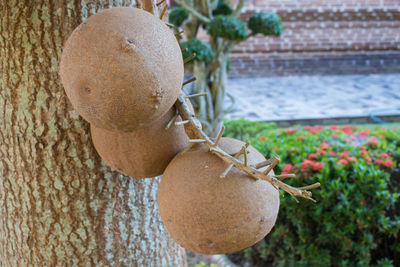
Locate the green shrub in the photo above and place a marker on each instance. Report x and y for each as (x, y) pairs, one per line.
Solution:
(222, 9)
(356, 220)
(177, 16)
(266, 23)
(227, 27)
(203, 51)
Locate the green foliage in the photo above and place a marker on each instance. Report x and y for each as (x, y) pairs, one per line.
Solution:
(227, 27)
(177, 16)
(203, 51)
(356, 221)
(243, 129)
(203, 264)
(222, 9)
(266, 23)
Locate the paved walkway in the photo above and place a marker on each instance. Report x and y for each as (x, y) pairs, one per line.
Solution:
(309, 97)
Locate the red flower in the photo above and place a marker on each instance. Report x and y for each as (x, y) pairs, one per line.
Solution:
(331, 153)
(363, 134)
(306, 163)
(388, 163)
(312, 156)
(342, 161)
(290, 130)
(287, 168)
(347, 129)
(334, 136)
(384, 155)
(323, 145)
(344, 155)
(363, 202)
(379, 162)
(333, 127)
(300, 137)
(313, 129)
(368, 159)
(372, 141)
(317, 166)
(362, 147)
(262, 138)
(353, 159)
(321, 152)
(275, 148)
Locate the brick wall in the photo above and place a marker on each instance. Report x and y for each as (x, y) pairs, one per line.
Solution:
(323, 37)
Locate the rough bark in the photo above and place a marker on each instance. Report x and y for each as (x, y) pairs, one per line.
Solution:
(60, 205)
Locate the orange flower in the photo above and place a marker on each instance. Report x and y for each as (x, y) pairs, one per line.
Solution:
(300, 137)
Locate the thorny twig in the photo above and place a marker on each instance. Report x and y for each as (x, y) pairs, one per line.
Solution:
(200, 137)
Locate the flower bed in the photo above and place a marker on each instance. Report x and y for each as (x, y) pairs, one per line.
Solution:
(357, 218)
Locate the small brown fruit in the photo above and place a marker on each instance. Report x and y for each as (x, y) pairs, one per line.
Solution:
(210, 215)
(122, 68)
(144, 152)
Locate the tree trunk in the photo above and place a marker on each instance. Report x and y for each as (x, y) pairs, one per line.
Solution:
(60, 205)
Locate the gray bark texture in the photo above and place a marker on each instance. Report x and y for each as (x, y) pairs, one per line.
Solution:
(60, 205)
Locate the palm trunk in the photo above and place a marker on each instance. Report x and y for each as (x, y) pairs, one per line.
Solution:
(60, 205)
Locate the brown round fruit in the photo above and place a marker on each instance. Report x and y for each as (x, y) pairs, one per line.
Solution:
(209, 215)
(122, 68)
(142, 153)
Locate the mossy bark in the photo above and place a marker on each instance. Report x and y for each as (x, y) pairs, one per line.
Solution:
(60, 205)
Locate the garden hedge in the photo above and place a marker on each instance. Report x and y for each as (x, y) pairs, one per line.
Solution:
(356, 220)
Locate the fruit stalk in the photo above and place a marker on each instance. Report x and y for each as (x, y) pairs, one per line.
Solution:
(194, 126)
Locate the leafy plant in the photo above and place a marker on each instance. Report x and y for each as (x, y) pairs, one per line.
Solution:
(266, 23)
(356, 221)
(177, 16)
(202, 50)
(227, 27)
(222, 9)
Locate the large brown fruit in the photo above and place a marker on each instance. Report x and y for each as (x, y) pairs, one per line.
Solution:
(209, 215)
(142, 153)
(122, 68)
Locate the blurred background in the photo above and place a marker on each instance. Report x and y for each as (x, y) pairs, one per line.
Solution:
(318, 83)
